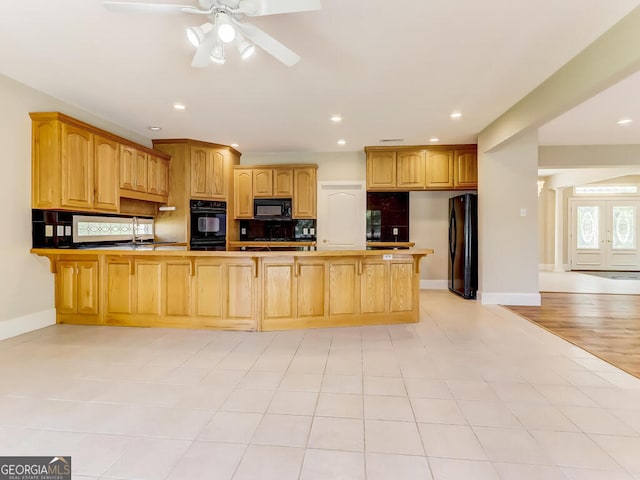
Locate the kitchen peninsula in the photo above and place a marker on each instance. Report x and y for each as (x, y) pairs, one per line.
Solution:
(170, 287)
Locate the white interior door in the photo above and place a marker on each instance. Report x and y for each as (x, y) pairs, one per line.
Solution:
(342, 208)
(604, 234)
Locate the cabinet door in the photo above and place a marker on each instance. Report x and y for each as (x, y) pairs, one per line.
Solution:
(87, 287)
(157, 175)
(45, 164)
(262, 182)
(199, 167)
(77, 287)
(279, 297)
(243, 193)
(217, 183)
(439, 169)
(410, 169)
(77, 167)
(304, 193)
(466, 169)
(107, 195)
(381, 170)
(162, 177)
(283, 183)
(66, 287)
(127, 167)
(141, 178)
(152, 174)
(374, 286)
(148, 285)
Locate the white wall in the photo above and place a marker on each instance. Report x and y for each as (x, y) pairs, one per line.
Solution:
(331, 165)
(508, 242)
(26, 296)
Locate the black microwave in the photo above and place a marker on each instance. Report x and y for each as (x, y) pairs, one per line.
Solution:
(272, 208)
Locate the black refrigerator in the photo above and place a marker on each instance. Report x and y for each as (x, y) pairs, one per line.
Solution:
(463, 245)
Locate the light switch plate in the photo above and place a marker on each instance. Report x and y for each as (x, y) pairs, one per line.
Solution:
(48, 231)
(59, 230)
(395, 230)
(243, 231)
(67, 230)
(312, 231)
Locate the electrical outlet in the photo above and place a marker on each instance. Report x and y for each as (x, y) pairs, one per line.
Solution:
(305, 231)
(59, 230)
(243, 231)
(312, 231)
(48, 231)
(387, 256)
(395, 231)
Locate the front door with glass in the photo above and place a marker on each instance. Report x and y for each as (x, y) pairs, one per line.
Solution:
(604, 234)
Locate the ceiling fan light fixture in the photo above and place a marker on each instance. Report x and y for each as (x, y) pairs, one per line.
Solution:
(196, 34)
(245, 48)
(226, 31)
(217, 54)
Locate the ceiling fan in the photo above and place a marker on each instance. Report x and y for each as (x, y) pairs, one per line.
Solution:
(226, 26)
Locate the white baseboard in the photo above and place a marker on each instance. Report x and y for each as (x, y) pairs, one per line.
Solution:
(27, 323)
(504, 298)
(434, 284)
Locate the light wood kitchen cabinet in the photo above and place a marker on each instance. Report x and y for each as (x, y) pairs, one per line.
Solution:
(207, 173)
(77, 290)
(381, 170)
(78, 167)
(106, 165)
(134, 169)
(465, 163)
(262, 182)
(297, 182)
(243, 192)
(442, 167)
(439, 169)
(410, 169)
(283, 182)
(157, 175)
(304, 192)
(272, 182)
(236, 290)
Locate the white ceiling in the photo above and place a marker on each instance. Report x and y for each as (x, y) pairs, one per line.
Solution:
(391, 69)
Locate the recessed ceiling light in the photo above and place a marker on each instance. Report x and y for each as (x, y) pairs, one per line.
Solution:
(456, 115)
(179, 106)
(434, 139)
(336, 118)
(235, 145)
(624, 121)
(155, 129)
(342, 141)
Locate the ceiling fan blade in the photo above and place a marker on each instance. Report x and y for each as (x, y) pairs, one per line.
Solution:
(137, 7)
(257, 8)
(269, 44)
(202, 57)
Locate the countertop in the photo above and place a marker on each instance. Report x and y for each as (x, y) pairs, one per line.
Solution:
(182, 251)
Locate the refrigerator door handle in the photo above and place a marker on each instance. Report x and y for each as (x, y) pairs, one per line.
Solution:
(452, 233)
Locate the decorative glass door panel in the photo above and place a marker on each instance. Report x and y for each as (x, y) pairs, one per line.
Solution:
(604, 234)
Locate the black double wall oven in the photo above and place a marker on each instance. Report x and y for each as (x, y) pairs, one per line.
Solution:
(208, 225)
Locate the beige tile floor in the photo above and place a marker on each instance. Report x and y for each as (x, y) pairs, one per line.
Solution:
(471, 392)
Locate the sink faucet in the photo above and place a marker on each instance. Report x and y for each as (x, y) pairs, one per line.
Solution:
(134, 230)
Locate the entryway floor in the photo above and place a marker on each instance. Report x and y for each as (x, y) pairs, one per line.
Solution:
(576, 282)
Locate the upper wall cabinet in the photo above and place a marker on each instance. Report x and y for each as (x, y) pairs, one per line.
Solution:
(445, 167)
(297, 182)
(76, 166)
(207, 173)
